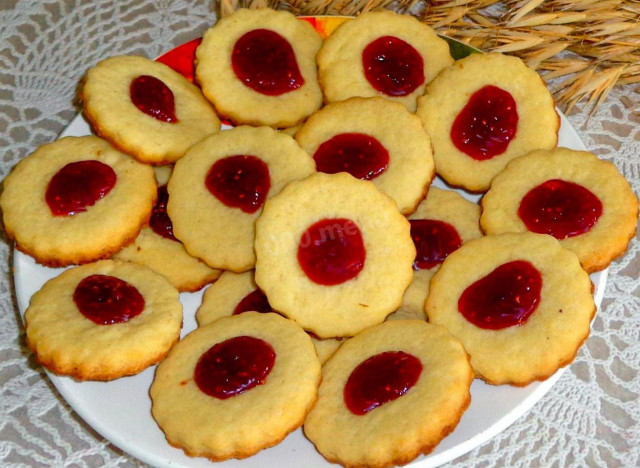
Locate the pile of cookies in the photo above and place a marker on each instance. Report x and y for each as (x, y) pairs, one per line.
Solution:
(348, 296)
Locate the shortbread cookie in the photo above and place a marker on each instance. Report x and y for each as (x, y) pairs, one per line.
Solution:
(146, 109)
(236, 293)
(169, 258)
(412, 306)
(572, 195)
(372, 139)
(217, 191)
(232, 294)
(441, 224)
(389, 394)
(482, 112)
(520, 303)
(103, 320)
(333, 253)
(325, 348)
(76, 200)
(258, 67)
(236, 386)
(157, 247)
(381, 53)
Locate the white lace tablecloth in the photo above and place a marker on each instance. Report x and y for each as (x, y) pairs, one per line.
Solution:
(591, 417)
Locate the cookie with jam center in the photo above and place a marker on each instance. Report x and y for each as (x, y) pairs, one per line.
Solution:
(390, 393)
(146, 109)
(333, 253)
(217, 191)
(381, 53)
(157, 247)
(237, 293)
(520, 303)
(257, 67)
(372, 139)
(236, 386)
(76, 200)
(103, 320)
(482, 112)
(442, 223)
(572, 195)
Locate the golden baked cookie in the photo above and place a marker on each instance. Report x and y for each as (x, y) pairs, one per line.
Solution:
(236, 293)
(381, 53)
(442, 223)
(390, 393)
(521, 305)
(333, 253)
(326, 347)
(76, 200)
(169, 258)
(236, 386)
(217, 191)
(572, 195)
(482, 112)
(103, 320)
(232, 294)
(157, 247)
(258, 67)
(372, 139)
(146, 109)
(412, 306)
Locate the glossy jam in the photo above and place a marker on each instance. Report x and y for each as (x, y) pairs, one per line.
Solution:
(154, 98)
(240, 181)
(107, 300)
(392, 66)
(560, 208)
(505, 297)
(380, 379)
(331, 251)
(265, 62)
(160, 221)
(434, 241)
(487, 124)
(79, 185)
(360, 155)
(256, 301)
(234, 366)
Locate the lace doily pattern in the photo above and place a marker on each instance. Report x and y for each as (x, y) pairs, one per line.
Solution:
(591, 417)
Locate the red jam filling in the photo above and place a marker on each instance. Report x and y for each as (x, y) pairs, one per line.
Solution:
(392, 66)
(265, 62)
(487, 124)
(154, 98)
(234, 366)
(380, 379)
(434, 241)
(240, 182)
(560, 208)
(331, 251)
(160, 221)
(79, 185)
(255, 301)
(107, 300)
(505, 297)
(360, 155)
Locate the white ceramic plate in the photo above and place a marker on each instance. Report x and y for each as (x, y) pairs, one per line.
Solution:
(121, 410)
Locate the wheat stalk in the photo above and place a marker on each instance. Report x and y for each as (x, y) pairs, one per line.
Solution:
(582, 48)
